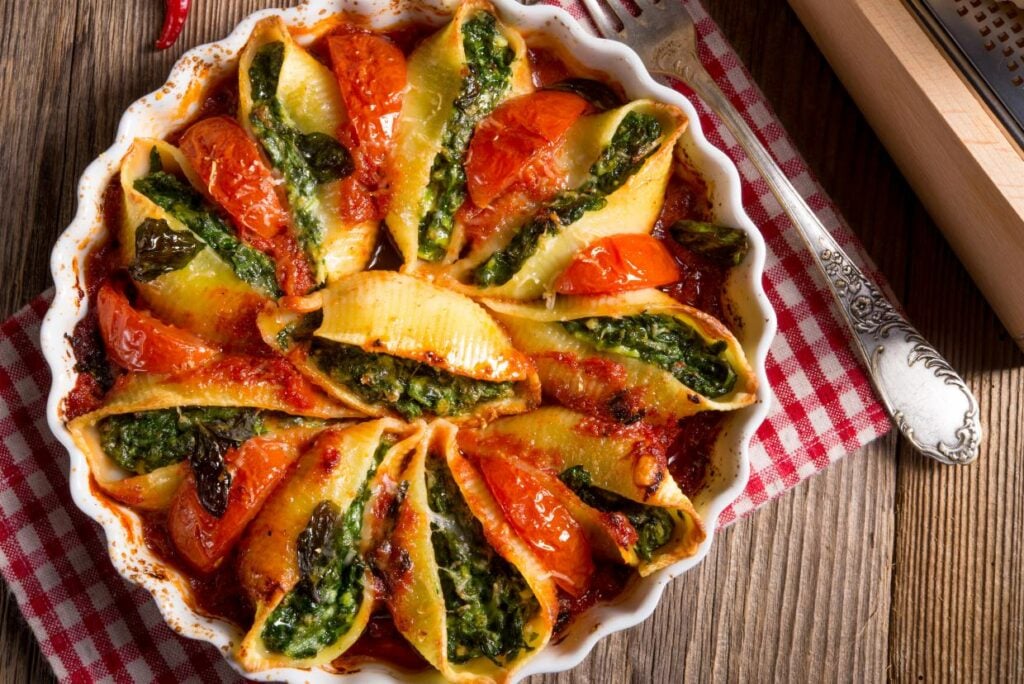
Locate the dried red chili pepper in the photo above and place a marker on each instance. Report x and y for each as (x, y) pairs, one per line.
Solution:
(174, 20)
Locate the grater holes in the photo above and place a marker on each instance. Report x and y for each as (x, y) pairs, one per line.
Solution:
(1001, 26)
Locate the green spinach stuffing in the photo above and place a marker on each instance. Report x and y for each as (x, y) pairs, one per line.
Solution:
(663, 341)
(410, 387)
(487, 601)
(305, 160)
(324, 603)
(636, 138)
(488, 73)
(144, 441)
(186, 204)
(653, 525)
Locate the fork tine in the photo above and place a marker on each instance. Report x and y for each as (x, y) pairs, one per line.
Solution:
(621, 13)
(604, 25)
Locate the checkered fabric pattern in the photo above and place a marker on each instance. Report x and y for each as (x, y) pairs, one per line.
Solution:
(92, 625)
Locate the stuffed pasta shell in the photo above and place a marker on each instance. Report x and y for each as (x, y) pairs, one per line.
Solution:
(618, 164)
(303, 561)
(456, 77)
(608, 469)
(632, 356)
(139, 442)
(462, 588)
(391, 344)
(291, 104)
(186, 262)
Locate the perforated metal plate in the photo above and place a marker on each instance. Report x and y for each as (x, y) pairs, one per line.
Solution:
(985, 39)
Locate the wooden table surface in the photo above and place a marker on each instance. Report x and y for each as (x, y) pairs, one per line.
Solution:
(886, 566)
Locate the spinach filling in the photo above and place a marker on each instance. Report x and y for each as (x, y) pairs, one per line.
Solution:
(487, 601)
(184, 203)
(305, 160)
(662, 341)
(488, 63)
(410, 387)
(144, 441)
(324, 603)
(653, 525)
(635, 139)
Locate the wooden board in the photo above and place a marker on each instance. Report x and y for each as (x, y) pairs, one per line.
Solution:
(883, 567)
(963, 166)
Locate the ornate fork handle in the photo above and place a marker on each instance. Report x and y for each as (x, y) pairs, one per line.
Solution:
(929, 402)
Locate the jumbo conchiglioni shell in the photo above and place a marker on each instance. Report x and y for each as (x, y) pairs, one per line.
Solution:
(625, 460)
(235, 381)
(310, 98)
(632, 208)
(436, 70)
(338, 466)
(400, 315)
(416, 599)
(205, 296)
(578, 375)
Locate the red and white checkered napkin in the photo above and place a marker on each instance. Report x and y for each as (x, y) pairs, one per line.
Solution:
(94, 625)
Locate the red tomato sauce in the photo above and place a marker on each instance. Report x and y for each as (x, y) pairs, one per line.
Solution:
(217, 594)
(606, 584)
(690, 451)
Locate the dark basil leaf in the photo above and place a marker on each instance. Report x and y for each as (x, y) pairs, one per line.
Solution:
(720, 244)
(265, 70)
(327, 158)
(600, 95)
(160, 249)
(213, 481)
(315, 546)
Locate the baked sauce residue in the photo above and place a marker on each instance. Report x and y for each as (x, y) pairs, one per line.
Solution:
(217, 594)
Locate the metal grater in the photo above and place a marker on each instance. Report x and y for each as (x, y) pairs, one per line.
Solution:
(985, 40)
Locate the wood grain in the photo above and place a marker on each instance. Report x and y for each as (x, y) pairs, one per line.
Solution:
(882, 567)
(940, 133)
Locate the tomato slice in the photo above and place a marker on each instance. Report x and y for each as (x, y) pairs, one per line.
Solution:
(618, 263)
(371, 75)
(137, 341)
(542, 521)
(256, 467)
(236, 178)
(508, 141)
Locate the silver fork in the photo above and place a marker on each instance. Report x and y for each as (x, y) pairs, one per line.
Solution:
(928, 401)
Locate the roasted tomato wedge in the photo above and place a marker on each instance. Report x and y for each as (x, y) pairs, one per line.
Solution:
(542, 521)
(618, 263)
(371, 74)
(137, 341)
(508, 142)
(236, 178)
(203, 539)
